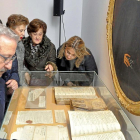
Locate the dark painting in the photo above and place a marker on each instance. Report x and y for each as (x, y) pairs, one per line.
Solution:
(126, 46)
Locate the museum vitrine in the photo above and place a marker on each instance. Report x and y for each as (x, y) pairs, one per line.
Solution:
(65, 106)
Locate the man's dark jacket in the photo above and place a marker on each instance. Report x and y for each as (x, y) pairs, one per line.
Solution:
(9, 74)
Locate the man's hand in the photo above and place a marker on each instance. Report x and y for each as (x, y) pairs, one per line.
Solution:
(10, 91)
(12, 84)
(49, 67)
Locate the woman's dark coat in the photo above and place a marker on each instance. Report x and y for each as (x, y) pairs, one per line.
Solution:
(46, 55)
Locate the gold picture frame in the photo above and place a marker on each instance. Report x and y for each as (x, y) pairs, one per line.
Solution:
(132, 106)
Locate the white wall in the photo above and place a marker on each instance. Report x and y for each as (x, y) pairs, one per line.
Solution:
(72, 18)
(43, 9)
(94, 35)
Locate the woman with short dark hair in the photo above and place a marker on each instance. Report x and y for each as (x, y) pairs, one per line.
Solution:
(40, 52)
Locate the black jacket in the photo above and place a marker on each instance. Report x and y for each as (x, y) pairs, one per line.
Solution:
(46, 55)
(9, 74)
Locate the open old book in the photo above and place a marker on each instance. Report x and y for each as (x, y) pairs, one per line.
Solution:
(97, 125)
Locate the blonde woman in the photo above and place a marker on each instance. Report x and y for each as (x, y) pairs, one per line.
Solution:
(74, 56)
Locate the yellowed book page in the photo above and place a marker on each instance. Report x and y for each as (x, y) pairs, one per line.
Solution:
(87, 123)
(75, 92)
(105, 136)
(7, 117)
(3, 135)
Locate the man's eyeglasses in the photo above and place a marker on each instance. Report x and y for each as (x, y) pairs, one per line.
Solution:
(6, 60)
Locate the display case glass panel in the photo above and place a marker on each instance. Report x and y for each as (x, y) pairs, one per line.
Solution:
(42, 108)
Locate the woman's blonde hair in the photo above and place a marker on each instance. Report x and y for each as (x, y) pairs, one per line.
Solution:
(78, 45)
(16, 20)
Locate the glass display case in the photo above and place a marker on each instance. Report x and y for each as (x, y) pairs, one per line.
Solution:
(43, 108)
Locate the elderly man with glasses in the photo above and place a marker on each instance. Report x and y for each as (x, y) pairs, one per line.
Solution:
(8, 65)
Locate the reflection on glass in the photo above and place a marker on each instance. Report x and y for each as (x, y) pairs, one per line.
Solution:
(38, 104)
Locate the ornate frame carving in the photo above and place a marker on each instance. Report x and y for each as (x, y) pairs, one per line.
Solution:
(131, 106)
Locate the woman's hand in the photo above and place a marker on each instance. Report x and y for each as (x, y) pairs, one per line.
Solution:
(27, 78)
(49, 67)
(70, 84)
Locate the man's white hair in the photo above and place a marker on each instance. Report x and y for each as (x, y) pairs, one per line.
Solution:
(5, 31)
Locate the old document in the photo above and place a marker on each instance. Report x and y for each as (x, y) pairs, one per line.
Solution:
(7, 117)
(63, 133)
(34, 117)
(36, 98)
(24, 134)
(52, 133)
(41, 133)
(42, 101)
(3, 135)
(75, 92)
(27, 133)
(34, 94)
(60, 116)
